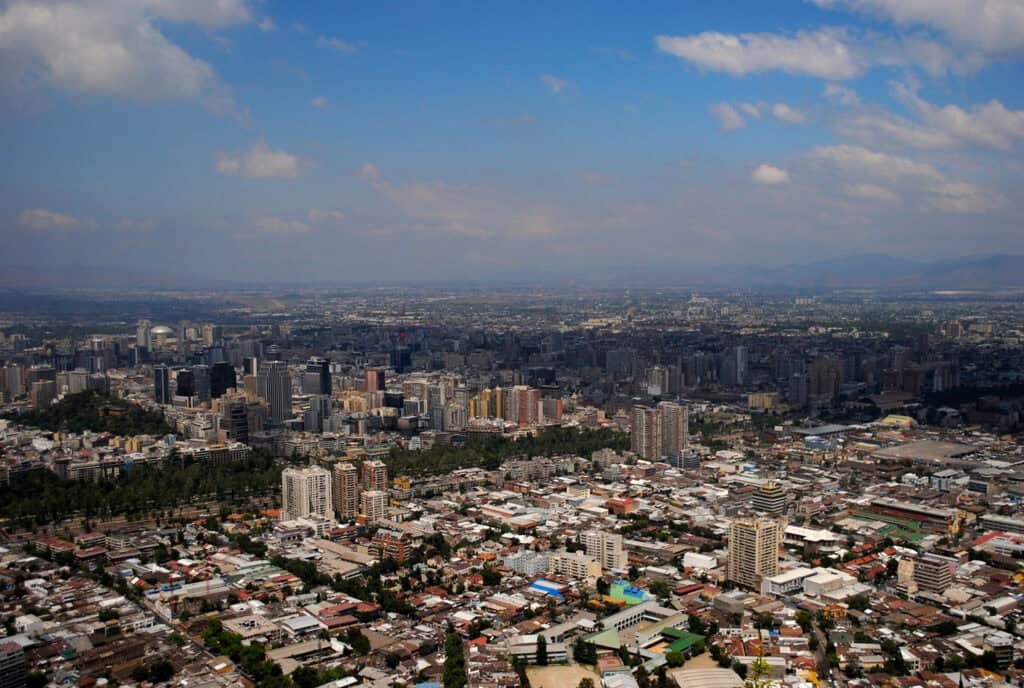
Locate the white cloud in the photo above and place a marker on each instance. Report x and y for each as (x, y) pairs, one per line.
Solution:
(271, 224)
(114, 48)
(129, 224)
(870, 192)
(41, 219)
(750, 110)
(259, 161)
(317, 216)
(319, 102)
(940, 192)
(338, 44)
(995, 27)
(554, 83)
(465, 211)
(991, 125)
(267, 24)
(841, 95)
(769, 174)
(787, 114)
(824, 53)
(728, 118)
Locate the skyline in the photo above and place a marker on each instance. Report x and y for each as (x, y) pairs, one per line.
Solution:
(258, 140)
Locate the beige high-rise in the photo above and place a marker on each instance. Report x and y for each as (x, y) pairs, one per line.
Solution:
(346, 491)
(754, 550)
(306, 492)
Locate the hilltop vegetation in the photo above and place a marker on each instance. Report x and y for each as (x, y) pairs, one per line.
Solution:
(97, 412)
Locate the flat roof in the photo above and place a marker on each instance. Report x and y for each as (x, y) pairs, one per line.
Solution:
(926, 450)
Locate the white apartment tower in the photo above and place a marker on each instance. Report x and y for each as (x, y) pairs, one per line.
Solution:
(306, 492)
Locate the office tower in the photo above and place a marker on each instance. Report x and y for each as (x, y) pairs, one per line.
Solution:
(274, 385)
(234, 419)
(934, 573)
(770, 499)
(825, 377)
(319, 411)
(374, 380)
(375, 475)
(675, 428)
(606, 548)
(373, 506)
(14, 381)
(184, 342)
(72, 381)
(212, 334)
(754, 550)
(645, 432)
(201, 382)
(401, 359)
(43, 393)
(317, 378)
(144, 335)
(250, 365)
(13, 667)
(184, 383)
(741, 365)
(306, 492)
(161, 384)
(222, 378)
(346, 491)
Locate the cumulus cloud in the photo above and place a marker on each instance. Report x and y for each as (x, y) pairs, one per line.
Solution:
(841, 95)
(114, 48)
(995, 27)
(939, 191)
(260, 161)
(337, 44)
(769, 174)
(555, 84)
(319, 102)
(41, 219)
(824, 53)
(466, 211)
(728, 118)
(787, 114)
(870, 192)
(750, 110)
(271, 224)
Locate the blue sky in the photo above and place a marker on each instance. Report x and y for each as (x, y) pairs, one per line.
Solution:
(261, 140)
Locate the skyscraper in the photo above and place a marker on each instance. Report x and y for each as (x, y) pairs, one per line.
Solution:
(184, 383)
(317, 378)
(675, 428)
(144, 335)
(306, 492)
(274, 385)
(222, 378)
(645, 432)
(161, 384)
(375, 475)
(754, 550)
(319, 410)
(770, 499)
(374, 379)
(201, 381)
(346, 491)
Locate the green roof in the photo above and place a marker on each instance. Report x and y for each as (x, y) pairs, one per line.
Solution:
(683, 640)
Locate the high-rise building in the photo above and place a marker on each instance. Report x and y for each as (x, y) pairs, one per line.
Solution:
(675, 428)
(645, 432)
(43, 393)
(161, 384)
(373, 506)
(346, 491)
(274, 384)
(306, 492)
(319, 411)
(201, 381)
(606, 548)
(374, 379)
(212, 334)
(234, 419)
(754, 550)
(222, 378)
(770, 499)
(934, 573)
(317, 377)
(375, 475)
(144, 335)
(13, 667)
(184, 383)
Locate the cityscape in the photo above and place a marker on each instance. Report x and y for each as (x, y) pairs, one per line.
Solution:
(511, 346)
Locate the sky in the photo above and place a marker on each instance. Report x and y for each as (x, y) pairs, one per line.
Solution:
(270, 141)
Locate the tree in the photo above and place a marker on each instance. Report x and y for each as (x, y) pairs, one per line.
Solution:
(675, 659)
(454, 675)
(542, 650)
(586, 682)
(584, 652)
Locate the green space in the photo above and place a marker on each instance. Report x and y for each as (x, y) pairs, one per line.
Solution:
(97, 412)
(40, 497)
(491, 452)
